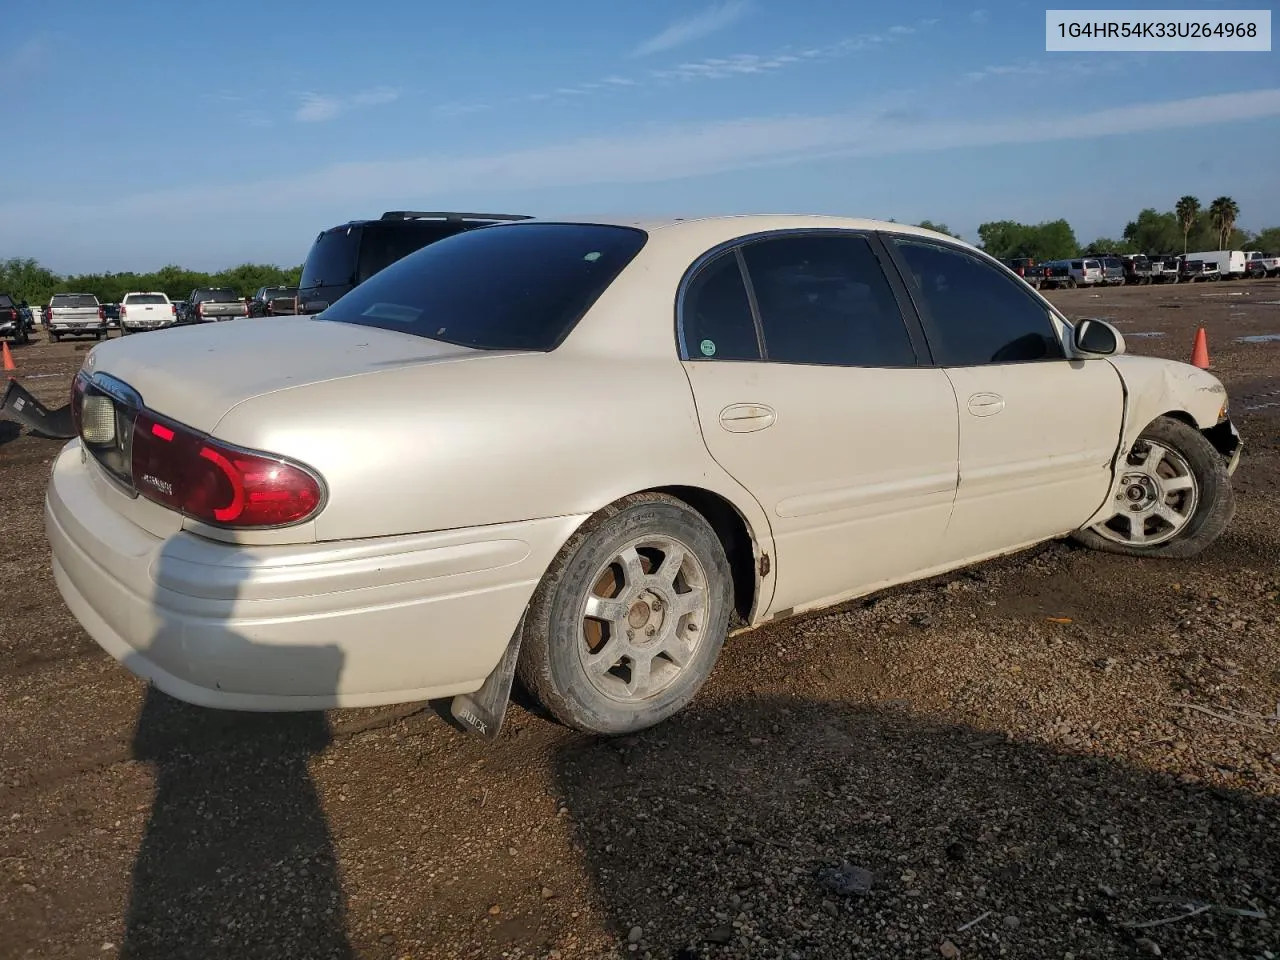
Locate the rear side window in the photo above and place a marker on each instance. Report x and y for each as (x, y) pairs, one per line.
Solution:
(509, 287)
(142, 298)
(825, 300)
(6, 303)
(74, 300)
(975, 313)
(715, 316)
(332, 259)
(385, 242)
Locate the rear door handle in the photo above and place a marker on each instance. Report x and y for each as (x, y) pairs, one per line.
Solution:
(986, 404)
(746, 417)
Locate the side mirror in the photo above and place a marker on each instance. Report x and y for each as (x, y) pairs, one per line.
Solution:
(1098, 338)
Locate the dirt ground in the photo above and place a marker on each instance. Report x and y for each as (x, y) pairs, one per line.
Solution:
(1043, 756)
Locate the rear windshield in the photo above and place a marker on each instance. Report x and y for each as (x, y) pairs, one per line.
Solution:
(6, 302)
(509, 287)
(74, 300)
(145, 298)
(272, 293)
(1112, 263)
(221, 295)
(332, 259)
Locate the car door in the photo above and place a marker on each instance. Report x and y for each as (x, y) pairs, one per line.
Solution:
(808, 392)
(1038, 431)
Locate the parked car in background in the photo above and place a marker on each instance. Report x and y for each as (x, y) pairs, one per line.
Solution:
(1083, 272)
(75, 315)
(1268, 264)
(1194, 270)
(209, 304)
(1230, 264)
(15, 322)
(1112, 271)
(111, 314)
(1025, 267)
(146, 311)
(345, 256)
(274, 302)
(1137, 268)
(300, 537)
(1056, 274)
(1164, 268)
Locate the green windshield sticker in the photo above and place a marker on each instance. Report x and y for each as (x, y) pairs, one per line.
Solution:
(708, 348)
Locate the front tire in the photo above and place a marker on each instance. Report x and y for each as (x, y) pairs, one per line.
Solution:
(1173, 500)
(627, 623)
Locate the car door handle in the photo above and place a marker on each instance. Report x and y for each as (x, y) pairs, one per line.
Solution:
(746, 417)
(985, 404)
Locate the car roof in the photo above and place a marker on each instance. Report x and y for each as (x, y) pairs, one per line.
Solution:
(718, 229)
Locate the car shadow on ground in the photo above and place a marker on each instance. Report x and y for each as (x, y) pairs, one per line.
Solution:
(237, 859)
(9, 431)
(742, 829)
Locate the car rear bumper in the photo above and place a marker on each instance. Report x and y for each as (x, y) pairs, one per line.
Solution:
(343, 624)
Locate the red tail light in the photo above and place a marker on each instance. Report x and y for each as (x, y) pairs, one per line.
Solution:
(102, 313)
(173, 310)
(218, 484)
(199, 309)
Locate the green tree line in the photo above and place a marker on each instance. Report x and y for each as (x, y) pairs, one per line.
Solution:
(1188, 226)
(26, 279)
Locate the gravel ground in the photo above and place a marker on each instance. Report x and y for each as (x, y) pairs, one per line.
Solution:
(1033, 758)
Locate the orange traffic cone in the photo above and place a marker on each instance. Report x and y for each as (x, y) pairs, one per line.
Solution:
(8, 358)
(1200, 351)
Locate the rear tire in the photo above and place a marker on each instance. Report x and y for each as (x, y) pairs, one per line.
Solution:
(1175, 507)
(629, 619)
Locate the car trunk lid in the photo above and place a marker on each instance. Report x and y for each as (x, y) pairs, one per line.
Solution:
(196, 374)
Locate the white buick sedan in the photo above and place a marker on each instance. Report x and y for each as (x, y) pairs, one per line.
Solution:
(584, 453)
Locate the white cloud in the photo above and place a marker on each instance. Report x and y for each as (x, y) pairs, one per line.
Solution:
(709, 21)
(254, 118)
(650, 153)
(1049, 68)
(318, 108)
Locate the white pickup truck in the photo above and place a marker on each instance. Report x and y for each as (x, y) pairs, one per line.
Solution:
(146, 311)
(75, 314)
(1256, 260)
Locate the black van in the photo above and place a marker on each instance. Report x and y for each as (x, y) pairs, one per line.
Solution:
(345, 256)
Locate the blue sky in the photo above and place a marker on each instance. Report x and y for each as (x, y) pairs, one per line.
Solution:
(140, 134)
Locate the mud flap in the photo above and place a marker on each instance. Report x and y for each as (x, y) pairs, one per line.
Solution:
(27, 410)
(482, 712)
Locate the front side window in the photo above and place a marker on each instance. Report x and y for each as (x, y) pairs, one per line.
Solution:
(825, 300)
(976, 314)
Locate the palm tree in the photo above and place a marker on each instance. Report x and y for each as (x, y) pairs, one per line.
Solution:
(1188, 212)
(1222, 214)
